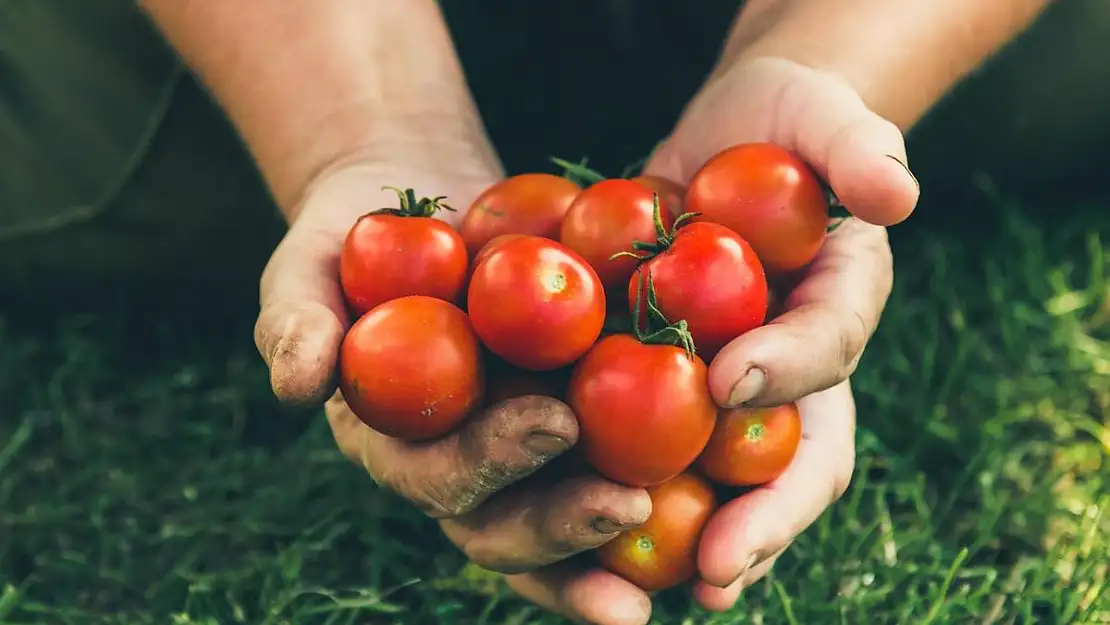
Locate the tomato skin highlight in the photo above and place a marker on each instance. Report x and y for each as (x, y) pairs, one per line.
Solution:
(385, 257)
(606, 219)
(536, 303)
(767, 195)
(750, 447)
(532, 203)
(644, 411)
(411, 368)
(710, 277)
(663, 552)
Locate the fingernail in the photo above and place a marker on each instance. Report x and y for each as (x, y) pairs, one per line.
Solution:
(603, 525)
(546, 445)
(752, 559)
(747, 388)
(907, 168)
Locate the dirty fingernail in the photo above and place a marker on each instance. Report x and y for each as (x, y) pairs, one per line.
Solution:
(546, 445)
(752, 559)
(603, 525)
(907, 168)
(747, 388)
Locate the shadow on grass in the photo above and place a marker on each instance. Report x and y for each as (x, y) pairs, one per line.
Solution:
(147, 476)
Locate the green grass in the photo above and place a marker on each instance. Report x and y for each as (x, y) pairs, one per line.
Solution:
(147, 477)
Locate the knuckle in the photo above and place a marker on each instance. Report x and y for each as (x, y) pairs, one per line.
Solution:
(853, 339)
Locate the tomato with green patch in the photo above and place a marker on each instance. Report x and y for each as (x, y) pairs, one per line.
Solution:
(606, 219)
(536, 303)
(753, 446)
(395, 252)
(767, 195)
(411, 368)
(663, 552)
(532, 204)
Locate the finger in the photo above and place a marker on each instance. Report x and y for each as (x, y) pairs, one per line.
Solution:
(537, 523)
(717, 599)
(758, 524)
(302, 319)
(860, 154)
(819, 340)
(590, 595)
(450, 476)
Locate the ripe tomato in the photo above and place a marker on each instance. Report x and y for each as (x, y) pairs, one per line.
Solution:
(391, 253)
(606, 219)
(504, 381)
(522, 204)
(709, 276)
(768, 195)
(644, 411)
(536, 303)
(411, 368)
(663, 552)
(752, 446)
(670, 192)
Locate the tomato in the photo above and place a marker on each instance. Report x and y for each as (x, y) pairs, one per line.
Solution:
(670, 192)
(709, 276)
(663, 552)
(522, 204)
(536, 303)
(768, 195)
(606, 219)
(752, 446)
(411, 368)
(644, 411)
(391, 253)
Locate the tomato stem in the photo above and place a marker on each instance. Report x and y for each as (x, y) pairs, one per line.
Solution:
(578, 172)
(659, 330)
(663, 238)
(410, 206)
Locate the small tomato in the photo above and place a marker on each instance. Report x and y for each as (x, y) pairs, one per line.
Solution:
(708, 276)
(395, 252)
(644, 409)
(605, 220)
(767, 195)
(752, 446)
(411, 368)
(671, 194)
(536, 303)
(663, 552)
(522, 204)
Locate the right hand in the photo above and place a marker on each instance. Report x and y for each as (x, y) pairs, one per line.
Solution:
(461, 479)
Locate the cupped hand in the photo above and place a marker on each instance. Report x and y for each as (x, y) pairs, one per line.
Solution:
(469, 479)
(833, 307)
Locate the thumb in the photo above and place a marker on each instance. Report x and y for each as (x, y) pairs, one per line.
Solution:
(302, 318)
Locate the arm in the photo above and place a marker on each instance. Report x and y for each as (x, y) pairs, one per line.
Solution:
(310, 83)
(901, 57)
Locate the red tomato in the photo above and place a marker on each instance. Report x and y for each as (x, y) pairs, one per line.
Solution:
(536, 303)
(767, 195)
(670, 192)
(411, 368)
(752, 446)
(606, 219)
(644, 411)
(392, 253)
(663, 552)
(523, 204)
(709, 276)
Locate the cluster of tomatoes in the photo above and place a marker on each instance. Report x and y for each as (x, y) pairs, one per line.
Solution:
(611, 295)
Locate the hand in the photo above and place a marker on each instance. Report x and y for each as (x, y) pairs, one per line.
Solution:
(456, 479)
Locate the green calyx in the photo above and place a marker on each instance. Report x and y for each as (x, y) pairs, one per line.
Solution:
(411, 206)
(642, 250)
(659, 330)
